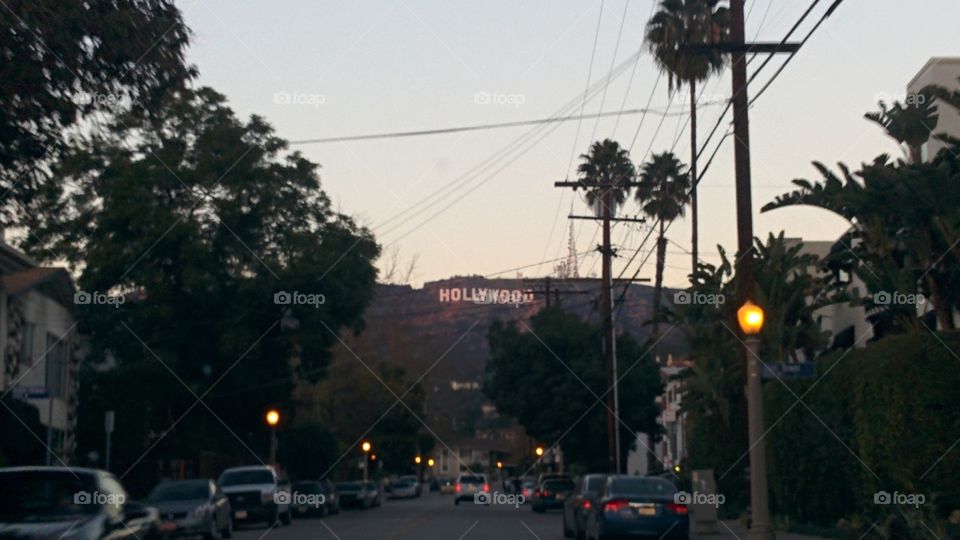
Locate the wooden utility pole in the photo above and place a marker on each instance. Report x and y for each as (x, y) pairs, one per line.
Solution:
(606, 305)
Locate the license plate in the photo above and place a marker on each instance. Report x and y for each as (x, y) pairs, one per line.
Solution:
(645, 509)
(168, 526)
(240, 514)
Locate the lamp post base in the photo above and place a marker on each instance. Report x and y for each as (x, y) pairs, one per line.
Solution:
(760, 532)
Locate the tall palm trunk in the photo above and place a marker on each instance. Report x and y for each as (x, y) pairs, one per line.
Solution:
(658, 280)
(693, 173)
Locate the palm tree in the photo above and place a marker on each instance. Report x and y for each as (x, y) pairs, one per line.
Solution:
(662, 190)
(607, 163)
(679, 24)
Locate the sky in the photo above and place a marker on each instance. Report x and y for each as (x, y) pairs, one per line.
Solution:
(321, 69)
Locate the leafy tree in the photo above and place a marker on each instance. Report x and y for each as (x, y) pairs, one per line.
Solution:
(67, 62)
(204, 226)
(904, 223)
(678, 25)
(662, 191)
(609, 164)
(552, 379)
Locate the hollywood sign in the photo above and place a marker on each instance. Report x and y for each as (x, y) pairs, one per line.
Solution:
(486, 296)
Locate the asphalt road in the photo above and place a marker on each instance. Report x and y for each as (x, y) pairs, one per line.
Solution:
(431, 517)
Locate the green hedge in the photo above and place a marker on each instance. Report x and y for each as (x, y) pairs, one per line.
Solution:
(884, 417)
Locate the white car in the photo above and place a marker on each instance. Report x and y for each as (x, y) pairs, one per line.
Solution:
(403, 489)
(415, 481)
(257, 493)
(470, 485)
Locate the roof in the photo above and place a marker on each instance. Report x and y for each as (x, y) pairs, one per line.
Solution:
(932, 63)
(18, 282)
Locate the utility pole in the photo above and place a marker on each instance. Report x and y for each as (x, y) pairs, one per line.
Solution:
(606, 304)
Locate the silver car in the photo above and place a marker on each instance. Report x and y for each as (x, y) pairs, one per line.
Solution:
(192, 508)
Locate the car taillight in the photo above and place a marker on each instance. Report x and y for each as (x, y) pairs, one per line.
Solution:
(457, 487)
(615, 505)
(585, 505)
(679, 509)
(536, 492)
(486, 487)
(544, 493)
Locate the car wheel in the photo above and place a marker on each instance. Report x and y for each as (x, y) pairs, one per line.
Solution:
(287, 517)
(456, 502)
(275, 520)
(567, 531)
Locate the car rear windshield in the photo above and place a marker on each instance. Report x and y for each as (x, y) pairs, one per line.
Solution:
(309, 488)
(180, 491)
(237, 478)
(348, 486)
(641, 486)
(471, 479)
(558, 485)
(595, 484)
(37, 496)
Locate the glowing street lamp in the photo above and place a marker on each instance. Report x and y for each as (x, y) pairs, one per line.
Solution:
(273, 420)
(273, 417)
(750, 317)
(366, 446)
(539, 451)
(417, 460)
(430, 462)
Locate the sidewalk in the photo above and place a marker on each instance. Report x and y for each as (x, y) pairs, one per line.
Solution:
(733, 530)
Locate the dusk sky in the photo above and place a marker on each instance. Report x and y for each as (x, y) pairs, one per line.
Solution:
(354, 68)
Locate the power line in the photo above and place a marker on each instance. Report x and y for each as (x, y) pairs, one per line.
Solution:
(593, 53)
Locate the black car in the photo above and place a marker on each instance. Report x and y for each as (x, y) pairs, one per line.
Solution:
(192, 508)
(67, 502)
(579, 503)
(313, 498)
(551, 494)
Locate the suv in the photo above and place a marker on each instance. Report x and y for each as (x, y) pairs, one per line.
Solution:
(469, 485)
(72, 502)
(257, 493)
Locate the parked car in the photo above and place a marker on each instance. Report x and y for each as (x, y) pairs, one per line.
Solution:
(552, 476)
(527, 487)
(468, 485)
(313, 498)
(551, 494)
(416, 482)
(358, 494)
(39, 503)
(638, 506)
(447, 486)
(192, 508)
(257, 493)
(576, 506)
(403, 489)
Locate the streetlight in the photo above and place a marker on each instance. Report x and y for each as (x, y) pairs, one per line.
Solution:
(750, 317)
(273, 419)
(499, 464)
(539, 451)
(417, 460)
(366, 446)
(430, 462)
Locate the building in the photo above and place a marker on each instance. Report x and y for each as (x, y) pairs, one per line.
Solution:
(40, 343)
(671, 449)
(945, 72)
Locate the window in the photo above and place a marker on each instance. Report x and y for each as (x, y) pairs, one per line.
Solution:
(26, 344)
(56, 357)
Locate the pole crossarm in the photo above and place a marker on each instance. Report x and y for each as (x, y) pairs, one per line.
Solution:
(757, 47)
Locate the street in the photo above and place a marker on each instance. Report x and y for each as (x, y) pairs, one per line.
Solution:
(432, 516)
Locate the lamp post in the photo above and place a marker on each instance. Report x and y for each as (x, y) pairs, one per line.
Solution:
(366, 462)
(750, 317)
(273, 419)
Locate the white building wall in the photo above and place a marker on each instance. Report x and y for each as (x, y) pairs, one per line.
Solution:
(942, 72)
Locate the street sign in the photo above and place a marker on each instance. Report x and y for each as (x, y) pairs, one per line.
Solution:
(787, 371)
(30, 392)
